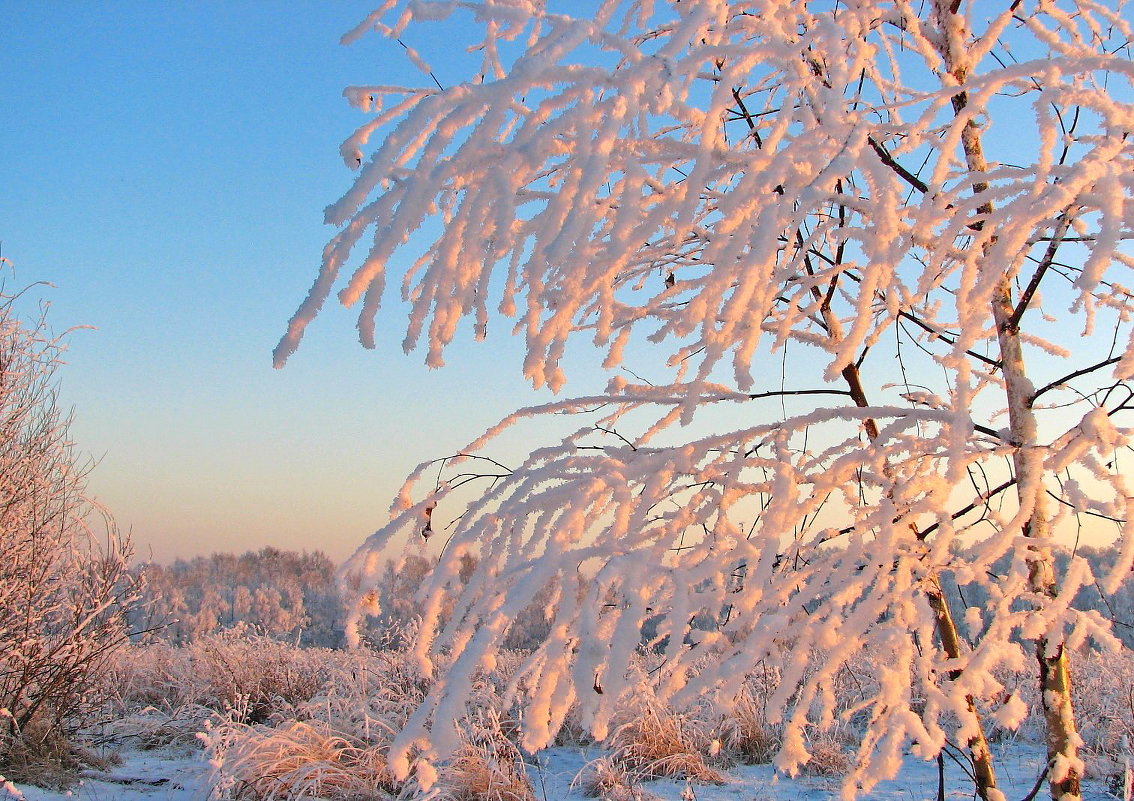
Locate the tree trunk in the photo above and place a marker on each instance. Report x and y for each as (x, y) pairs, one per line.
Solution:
(1054, 674)
(984, 774)
(1054, 668)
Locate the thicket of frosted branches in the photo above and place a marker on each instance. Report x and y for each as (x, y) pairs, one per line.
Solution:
(873, 257)
(64, 581)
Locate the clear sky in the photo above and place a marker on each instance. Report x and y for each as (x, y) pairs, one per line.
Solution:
(165, 166)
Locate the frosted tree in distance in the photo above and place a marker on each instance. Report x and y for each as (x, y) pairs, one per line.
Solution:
(873, 257)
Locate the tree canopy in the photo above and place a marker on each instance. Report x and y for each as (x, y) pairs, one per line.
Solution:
(876, 255)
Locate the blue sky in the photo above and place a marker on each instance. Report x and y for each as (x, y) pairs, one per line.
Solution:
(165, 166)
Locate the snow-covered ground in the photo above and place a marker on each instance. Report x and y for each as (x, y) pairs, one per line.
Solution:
(160, 775)
(1018, 766)
(173, 775)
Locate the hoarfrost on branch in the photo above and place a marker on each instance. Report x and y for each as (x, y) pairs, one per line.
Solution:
(879, 251)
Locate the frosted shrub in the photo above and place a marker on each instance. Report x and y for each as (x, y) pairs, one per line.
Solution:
(610, 780)
(827, 756)
(368, 696)
(750, 733)
(338, 740)
(650, 741)
(487, 765)
(348, 725)
(156, 697)
(64, 583)
(264, 676)
(1104, 694)
(335, 741)
(164, 693)
(745, 731)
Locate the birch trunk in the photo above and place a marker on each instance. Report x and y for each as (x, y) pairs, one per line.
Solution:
(1054, 672)
(1054, 668)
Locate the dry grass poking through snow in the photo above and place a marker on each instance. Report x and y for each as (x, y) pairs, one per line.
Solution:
(163, 694)
(745, 731)
(286, 723)
(606, 779)
(653, 742)
(336, 743)
(746, 735)
(297, 760)
(487, 767)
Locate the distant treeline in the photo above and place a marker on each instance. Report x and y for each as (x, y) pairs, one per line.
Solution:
(284, 594)
(295, 596)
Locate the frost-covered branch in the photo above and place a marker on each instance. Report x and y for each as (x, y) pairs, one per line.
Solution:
(771, 200)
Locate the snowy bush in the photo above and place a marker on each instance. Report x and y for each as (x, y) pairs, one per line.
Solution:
(650, 741)
(487, 766)
(349, 724)
(294, 760)
(163, 694)
(337, 742)
(64, 583)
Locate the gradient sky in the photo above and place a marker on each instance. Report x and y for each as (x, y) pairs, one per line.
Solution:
(165, 167)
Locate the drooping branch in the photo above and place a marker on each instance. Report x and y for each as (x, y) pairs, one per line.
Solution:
(589, 187)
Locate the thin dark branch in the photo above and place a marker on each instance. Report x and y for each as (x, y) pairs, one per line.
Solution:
(1113, 616)
(981, 500)
(779, 393)
(902, 172)
(1084, 511)
(488, 459)
(1071, 376)
(431, 75)
(946, 338)
(1029, 292)
(614, 433)
(747, 116)
(965, 766)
